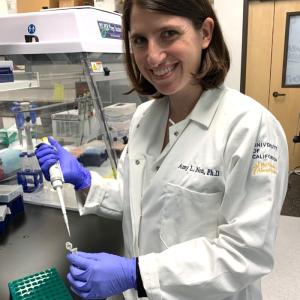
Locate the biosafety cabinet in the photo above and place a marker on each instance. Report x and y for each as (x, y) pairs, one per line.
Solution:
(59, 69)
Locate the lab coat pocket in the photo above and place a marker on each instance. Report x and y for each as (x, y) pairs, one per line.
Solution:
(187, 214)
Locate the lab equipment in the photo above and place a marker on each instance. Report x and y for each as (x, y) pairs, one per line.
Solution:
(4, 218)
(30, 176)
(75, 125)
(42, 285)
(78, 125)
(72, 170)
(1, 171)
(12, 197)
(57, 180)
(93, 157)
(66, 61)
(25, 119)
(9, 162)
(33, 162)
(24, 161)
(118, 117)
(70, 248)
(6, 71)
(103, 274)
(7, 136)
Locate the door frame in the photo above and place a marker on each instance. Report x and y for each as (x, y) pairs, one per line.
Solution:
(245, 43)
(244, 46)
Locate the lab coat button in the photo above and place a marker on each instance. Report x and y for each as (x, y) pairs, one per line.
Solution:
(138, 125)
(176, 133)
(157, 168)
(137, 162)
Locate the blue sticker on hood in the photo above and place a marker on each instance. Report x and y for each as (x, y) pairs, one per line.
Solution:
(31, 29)
(110, 30)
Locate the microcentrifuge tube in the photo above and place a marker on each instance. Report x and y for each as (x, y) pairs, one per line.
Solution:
(70, 248)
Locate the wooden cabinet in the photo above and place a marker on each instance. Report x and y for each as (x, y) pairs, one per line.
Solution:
(35, 5)
(70, 3)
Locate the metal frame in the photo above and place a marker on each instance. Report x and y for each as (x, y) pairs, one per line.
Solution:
(286, 42)
(99, 111)
(244, 46)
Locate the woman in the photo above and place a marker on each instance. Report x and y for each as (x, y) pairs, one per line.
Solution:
(201, 182)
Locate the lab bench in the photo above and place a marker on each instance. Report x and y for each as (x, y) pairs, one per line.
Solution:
(35, 241)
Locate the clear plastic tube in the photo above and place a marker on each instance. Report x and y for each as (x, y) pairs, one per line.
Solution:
(23, 158)
(33, 162)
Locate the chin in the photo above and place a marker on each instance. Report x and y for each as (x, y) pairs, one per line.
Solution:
(167, 91)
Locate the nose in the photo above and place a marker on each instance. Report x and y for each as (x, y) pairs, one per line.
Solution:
(155, 54)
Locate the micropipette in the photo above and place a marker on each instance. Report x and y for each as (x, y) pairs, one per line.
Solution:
(57, 180)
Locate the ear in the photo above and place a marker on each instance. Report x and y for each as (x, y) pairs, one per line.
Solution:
(207, 32)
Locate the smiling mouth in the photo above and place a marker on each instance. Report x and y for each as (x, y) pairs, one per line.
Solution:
(163, 72)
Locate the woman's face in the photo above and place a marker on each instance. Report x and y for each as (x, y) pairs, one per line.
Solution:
(167, 49)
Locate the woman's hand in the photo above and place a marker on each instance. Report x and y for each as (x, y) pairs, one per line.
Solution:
(72, 170)
(100, 275)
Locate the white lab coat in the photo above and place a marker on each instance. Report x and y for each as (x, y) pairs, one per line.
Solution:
(202, 215)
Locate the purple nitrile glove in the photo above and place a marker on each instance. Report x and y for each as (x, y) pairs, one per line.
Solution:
(72, 170)
(100, 275)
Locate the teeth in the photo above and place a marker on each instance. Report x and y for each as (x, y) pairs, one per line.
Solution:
(163, 71)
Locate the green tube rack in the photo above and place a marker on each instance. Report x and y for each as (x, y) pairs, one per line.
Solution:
(39, 286)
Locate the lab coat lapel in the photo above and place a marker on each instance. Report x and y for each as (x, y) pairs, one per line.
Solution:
(146, 131)
(148, 134)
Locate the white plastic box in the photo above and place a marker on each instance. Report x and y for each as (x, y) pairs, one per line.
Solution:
(69, 128)
(118, 117)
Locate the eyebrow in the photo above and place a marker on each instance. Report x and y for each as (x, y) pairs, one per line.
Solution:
(164, 28)
(134, 36)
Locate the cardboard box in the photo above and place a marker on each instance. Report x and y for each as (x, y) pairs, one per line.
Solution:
(70, 3)
(35, 5)
(109, 5)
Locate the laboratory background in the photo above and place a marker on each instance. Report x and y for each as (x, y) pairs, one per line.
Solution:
(62, 75)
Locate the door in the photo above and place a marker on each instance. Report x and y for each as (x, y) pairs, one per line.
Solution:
(266, 65)
(286, 107)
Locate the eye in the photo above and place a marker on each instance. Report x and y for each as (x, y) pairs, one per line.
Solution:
(169, 34)
(138, 41)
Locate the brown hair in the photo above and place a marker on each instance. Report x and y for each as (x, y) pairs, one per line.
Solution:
(215, 60)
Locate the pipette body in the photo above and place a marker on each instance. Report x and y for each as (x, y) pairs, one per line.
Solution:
(57, 180)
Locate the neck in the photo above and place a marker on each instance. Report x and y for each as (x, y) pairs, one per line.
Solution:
(181, 105)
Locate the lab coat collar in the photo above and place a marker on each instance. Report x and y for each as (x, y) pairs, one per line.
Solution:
(155, 118)
(203, 112)
(207, 105)
(150, 128)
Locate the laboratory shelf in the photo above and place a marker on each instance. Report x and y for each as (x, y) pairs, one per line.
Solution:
(18, 85)
(22, 80)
